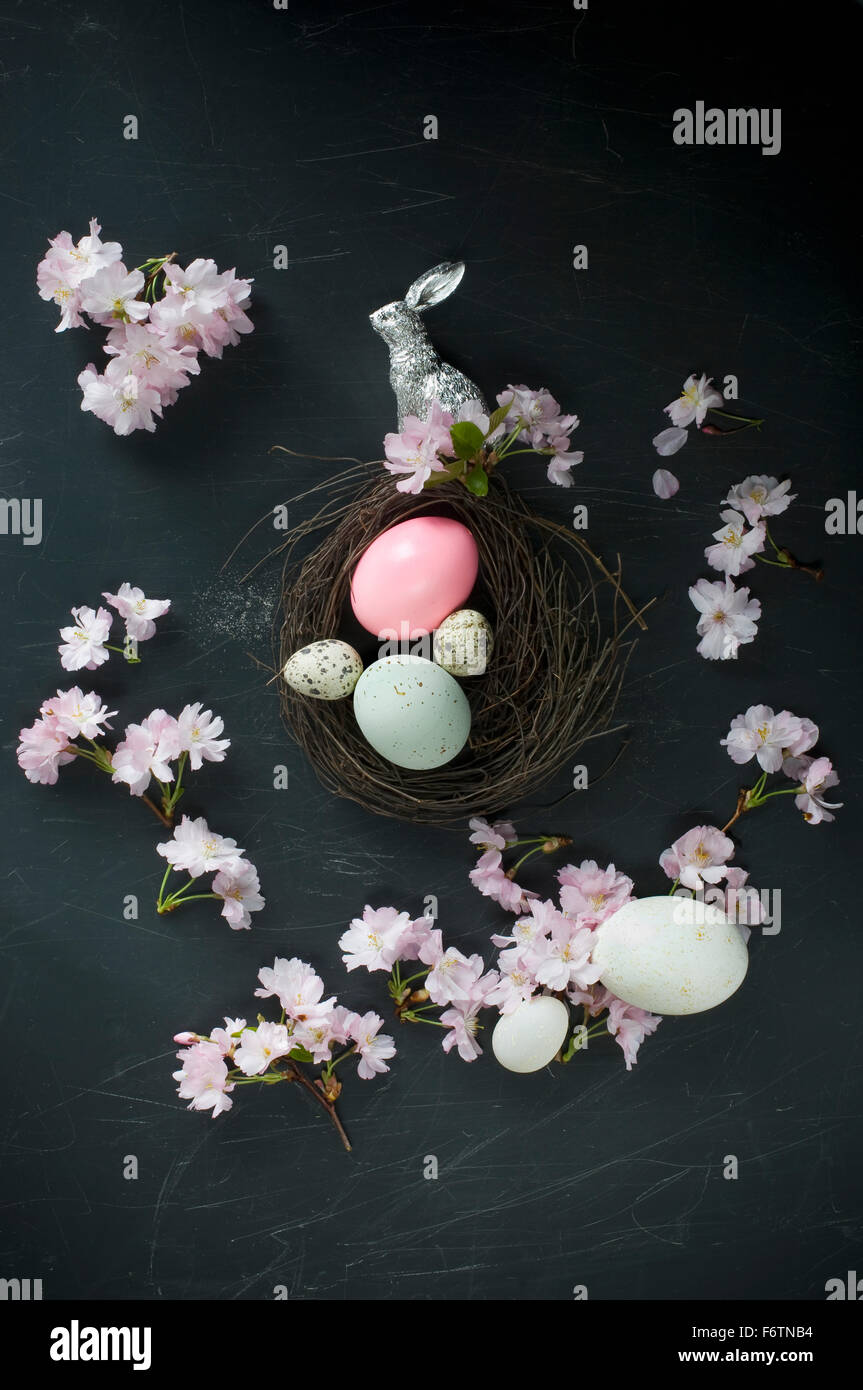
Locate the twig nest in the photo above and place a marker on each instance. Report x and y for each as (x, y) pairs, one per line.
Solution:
(463, 643)
(412, 712)
(558, 656)
(532, 1035)
(671, 955)
(325, 670)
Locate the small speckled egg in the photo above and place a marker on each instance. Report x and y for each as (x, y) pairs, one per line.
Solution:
(411, 711)
(463, 643)
(532, 1035)
(326, 670)
(671, 955)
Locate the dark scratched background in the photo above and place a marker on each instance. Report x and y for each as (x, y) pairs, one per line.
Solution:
(304, 127)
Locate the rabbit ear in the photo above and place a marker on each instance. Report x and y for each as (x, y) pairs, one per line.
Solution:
(436, 284)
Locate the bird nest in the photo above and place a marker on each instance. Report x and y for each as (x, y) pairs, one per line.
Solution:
(553, 675)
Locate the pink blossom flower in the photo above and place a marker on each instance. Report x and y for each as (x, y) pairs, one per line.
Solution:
(260, 1046)
(698, 857)
(202, 308)
(815, 776)
(65, 266)
(515, 984)
(768, 737)
(665, 484)
(161, 362)
(806, 738)
(55, 281)
(564, 459)
(735, 545)
(626, 1023)
(373, 1047)
(560, 958)
(694, 402)
(119, 398)
(492, 882)
(147, 750)
(760, 495)
(742, 903)
(200, 285)
(497, 836)
(137, 610)
(591, 893)
(233, 312)
(199, 735)
(415, 451)
(241, 890)
(198, 850)
(414, 938)
(110, 296)
(528, 929)
(78, 715)
(374, 940)
(83, 645)
(203, 1078)
(316, 1036)
(43, 749)
(452, 976)
(297, 988)
(474, 412)
(184, 326)
(225, 1038)
(669, 442)
(729, 618)
(541, 411)
(92, 253)
(461, 1032)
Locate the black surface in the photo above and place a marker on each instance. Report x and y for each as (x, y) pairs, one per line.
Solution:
(304, 127)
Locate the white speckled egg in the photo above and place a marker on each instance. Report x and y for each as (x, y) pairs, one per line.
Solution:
(671, 955)
(411, 711)
(326, 670)
(532, 1035)
(463, 643)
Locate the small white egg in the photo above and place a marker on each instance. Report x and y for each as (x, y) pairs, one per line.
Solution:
(463, 643)
(411, 711)
(671, 955)
(532, 1035)
(326, 670)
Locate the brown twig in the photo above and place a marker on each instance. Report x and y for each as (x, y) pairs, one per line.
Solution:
(742, 799)
(166, 820)
(793, 563)
(295, 1074)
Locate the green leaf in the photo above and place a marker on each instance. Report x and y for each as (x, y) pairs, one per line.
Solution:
(498, 416)
(467, 438)
(300, 1054)
(477, 481)
(453, 470)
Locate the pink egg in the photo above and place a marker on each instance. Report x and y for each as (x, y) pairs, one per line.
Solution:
(413, 576)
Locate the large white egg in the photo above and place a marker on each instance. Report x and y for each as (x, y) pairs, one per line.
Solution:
(671, 955)
(326, 670)
(532, 1035)
(411, 711)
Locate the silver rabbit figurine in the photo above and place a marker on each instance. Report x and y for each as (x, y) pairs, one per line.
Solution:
(417, 374)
